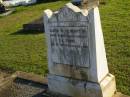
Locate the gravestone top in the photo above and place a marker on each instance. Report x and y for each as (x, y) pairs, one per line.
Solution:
(76, 9)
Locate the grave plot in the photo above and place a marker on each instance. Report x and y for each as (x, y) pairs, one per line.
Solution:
(36, 25)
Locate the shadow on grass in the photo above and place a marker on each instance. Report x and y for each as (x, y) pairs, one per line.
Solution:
(25, 32)
(103, 3)
(6, 69)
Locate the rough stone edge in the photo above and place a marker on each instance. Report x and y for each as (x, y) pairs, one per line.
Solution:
(6, 82)
(32, 77)
(49, 13)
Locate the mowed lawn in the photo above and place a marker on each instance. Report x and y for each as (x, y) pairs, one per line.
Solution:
(27, 51)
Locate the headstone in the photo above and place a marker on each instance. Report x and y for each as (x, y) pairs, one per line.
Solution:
(76, 53)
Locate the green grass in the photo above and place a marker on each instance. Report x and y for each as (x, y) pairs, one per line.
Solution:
(27, 52)
(21, 51)
(115, 21)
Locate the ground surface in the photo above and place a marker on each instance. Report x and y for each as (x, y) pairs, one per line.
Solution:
(22, 84)
(26, 51)
(24, 88)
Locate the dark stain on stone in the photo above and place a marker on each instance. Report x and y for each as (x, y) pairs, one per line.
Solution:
(83, 75)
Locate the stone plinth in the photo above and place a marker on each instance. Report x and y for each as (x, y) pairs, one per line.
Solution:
(78, 88)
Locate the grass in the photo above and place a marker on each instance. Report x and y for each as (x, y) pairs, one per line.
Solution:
(24, 51)
(27, 51)
(115, 21)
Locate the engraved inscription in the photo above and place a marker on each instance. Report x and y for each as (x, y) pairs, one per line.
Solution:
(69, 43)
(68, 37)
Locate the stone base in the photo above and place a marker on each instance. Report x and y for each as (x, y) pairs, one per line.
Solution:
(78, 88)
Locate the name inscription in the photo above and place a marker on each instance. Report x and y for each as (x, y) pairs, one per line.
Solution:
(68, 37)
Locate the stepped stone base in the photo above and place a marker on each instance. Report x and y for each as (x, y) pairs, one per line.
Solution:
(78, 88)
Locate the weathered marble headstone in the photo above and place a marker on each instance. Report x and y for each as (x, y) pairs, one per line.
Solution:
(76, 53)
